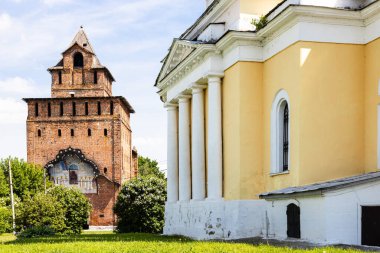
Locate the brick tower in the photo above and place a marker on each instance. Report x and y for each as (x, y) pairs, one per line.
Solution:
(82, 134)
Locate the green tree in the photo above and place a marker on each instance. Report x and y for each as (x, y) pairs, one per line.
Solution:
(77, 207)
(28, 179)
(148, 167)
(4, 186)
(41, 210)
(140, 205)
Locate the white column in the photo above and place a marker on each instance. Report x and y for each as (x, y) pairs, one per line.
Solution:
(198, 160)
(184, 149)
(214, 140)
(172, 153)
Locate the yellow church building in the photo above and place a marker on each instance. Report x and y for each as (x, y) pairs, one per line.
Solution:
(274, 131)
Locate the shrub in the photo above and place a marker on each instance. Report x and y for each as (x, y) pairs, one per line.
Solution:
(260, 23)
(140, 205)
(5, 220)
(39, 211)
(36, 232)
(77, 207)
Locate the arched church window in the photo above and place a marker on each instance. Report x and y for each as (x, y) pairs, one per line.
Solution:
(280, 117)
(78, 60)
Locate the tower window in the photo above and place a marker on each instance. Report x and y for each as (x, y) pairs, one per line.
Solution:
(39, 133)
(36, 112)
(280, 118)
(59, 77)
(89, 132)
(72, 132)
(49, 110)
(86, 108)
(99, 108)
(74, 109)
(61, 108)
(95, 77)
(59, 133)
(105, 170)
(111, 108)
(78, 60)
(105, 132)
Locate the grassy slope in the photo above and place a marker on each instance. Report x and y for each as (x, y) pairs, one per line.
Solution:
(109, 242)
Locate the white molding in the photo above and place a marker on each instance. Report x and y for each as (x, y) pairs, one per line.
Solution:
(275, 130)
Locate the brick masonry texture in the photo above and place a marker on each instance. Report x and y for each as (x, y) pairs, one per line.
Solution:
(76, 108)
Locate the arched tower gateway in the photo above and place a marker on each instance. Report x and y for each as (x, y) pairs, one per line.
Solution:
(82, 134)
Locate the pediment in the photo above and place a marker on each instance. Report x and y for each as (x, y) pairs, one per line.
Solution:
(178, 52)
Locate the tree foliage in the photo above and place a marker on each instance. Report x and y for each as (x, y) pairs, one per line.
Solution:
(260, 23)
(28, 179)
(140, 205)
(148, 167)
(77, 207)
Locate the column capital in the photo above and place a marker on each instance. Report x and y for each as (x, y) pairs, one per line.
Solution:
(170, 106)
(198, 88)
(184, 98)
(214, 75)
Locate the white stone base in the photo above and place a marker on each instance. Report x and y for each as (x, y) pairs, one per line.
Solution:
(215, 219)
(101, 228)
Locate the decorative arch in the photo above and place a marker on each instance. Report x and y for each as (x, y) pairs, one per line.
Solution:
(78, 60)
(71, 151)
(280, 134)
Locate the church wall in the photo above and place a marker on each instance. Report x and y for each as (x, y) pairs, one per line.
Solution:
(372, 100)
(242, 130)
(331, 111)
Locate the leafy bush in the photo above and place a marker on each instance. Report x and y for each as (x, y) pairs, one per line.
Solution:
(77, 207)
(28, 179)
(39, 211)
(140, 205)
(36, 232)
(148, 167)
(260, 23)
(5, 220)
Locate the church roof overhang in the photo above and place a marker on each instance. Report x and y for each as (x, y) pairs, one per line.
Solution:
(320, 188)
(123, 100)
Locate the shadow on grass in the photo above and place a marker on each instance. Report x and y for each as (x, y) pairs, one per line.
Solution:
(99, 237)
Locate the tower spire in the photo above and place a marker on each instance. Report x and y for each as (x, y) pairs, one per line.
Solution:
(82, 40)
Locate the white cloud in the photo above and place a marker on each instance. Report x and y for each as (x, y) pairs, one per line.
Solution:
(56, 2)
(12, 111)
(5, 22)
(17, 85)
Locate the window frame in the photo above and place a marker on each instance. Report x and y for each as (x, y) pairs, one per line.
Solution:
(277, 133)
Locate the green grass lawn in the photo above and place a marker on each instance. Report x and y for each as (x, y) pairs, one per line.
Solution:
(105, 242)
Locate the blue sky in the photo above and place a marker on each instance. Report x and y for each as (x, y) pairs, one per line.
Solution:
(130, 37)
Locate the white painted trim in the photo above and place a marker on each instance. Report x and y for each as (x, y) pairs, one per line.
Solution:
(281, 97)
(378, 137)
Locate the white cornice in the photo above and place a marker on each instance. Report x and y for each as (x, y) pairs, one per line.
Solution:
(296, 23)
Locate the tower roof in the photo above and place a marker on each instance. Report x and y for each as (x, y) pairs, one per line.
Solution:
(82, 40)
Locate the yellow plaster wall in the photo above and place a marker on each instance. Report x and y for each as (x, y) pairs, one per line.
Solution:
(242, 130)
(325, 84)
(258, 7)
(372, 100)
(331, 111)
